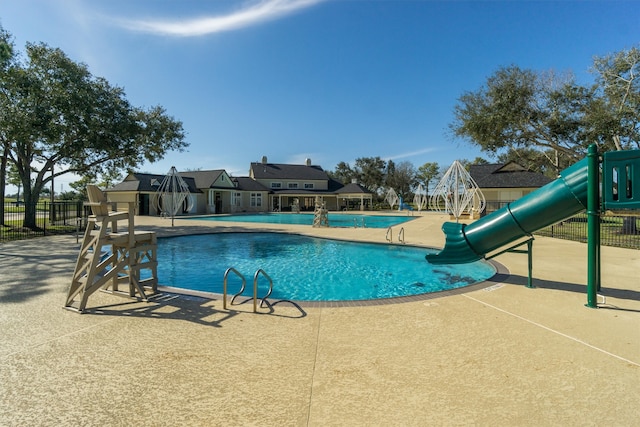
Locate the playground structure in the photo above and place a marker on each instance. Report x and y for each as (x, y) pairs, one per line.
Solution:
(295, 206)
(403, 205)
(458, 194)
(391, 198)
(577, 189)
(173, 195)
(109, 257)
(320, 214)
(420, 198)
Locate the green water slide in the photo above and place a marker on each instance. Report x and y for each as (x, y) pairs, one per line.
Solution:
(556, 201)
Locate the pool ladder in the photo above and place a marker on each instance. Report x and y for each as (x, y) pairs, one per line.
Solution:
(259, 272)
(389, 235)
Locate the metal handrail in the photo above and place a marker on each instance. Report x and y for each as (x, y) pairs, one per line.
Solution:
(224, 286)
(401, 235)
(389, 235)
(255, 289)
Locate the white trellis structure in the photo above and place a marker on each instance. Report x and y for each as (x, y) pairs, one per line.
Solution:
(173, 195)
(457, 193)
(392, 198)
(420, 198)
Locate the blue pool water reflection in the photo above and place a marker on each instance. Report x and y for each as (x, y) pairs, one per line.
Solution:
(307, 268)
(335, 219)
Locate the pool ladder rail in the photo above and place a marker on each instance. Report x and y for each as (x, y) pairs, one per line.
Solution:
(389, 235)
(355, 223)
(256, 276)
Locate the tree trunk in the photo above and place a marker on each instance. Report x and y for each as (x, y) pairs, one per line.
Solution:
(30, 211)
(3, 183)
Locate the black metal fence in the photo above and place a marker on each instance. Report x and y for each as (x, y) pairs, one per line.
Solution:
(61, 217)
(615, 230)
(71, 217)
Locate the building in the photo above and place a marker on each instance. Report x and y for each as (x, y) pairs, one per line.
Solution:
(503, 183)
(269, 187)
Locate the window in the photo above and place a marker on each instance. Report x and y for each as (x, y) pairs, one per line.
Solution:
(236, 199)
(276, 185)
(293, 185)
(256, 200)
(308, 185)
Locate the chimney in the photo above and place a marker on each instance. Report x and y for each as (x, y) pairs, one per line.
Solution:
(264, 160)
(308, 161)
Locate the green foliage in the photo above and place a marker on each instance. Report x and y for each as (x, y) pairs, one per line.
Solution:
(343, 173)
(370, 172)
(402, 177)
(535, 160)
(57, 118)
(428, 173)
(521, 109)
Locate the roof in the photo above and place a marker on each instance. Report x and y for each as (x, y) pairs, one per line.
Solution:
(284, 171)
(353, 188)
(204, 179)
(244, 183)
(506, 175)
(148, 183)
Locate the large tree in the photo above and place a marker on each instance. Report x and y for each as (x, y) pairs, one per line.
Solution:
(401, 177)
(519, 108)
(57, 118)
(6, 56)
(343, 173)
(428, 173)
(614, 117)
(370, 172)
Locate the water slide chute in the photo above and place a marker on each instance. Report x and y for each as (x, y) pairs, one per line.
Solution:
(556, 201)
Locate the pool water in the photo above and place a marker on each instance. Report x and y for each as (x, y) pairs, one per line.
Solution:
(335, 219)
(308, 269)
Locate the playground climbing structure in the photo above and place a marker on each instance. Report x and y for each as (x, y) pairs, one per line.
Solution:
(320, 214)
(173, 195)
(458, 194)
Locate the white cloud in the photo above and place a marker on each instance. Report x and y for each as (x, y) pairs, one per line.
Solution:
(254, 14)
(410, 154)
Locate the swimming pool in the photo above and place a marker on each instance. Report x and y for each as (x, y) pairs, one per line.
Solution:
(308, 268)
(335, 219)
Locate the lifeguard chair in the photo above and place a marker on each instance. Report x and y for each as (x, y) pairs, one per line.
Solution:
(110, 258)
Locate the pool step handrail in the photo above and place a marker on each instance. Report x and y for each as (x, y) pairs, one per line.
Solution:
(255, 289)
(224, 286)
(389, 235)
(355, 222)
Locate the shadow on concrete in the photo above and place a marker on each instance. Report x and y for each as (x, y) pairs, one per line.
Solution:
(28, 271)
(623, 294)
(170, 306)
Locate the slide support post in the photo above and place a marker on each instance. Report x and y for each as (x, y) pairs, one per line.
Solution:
(530, 259)
(593, 227)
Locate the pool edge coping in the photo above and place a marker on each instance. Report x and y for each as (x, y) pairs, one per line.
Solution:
(500, 275)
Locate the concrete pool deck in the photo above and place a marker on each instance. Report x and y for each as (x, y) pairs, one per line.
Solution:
(505, 355)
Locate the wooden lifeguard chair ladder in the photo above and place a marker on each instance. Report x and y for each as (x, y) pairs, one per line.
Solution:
(109, 258)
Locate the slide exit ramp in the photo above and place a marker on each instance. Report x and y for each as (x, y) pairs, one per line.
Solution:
(556, 201)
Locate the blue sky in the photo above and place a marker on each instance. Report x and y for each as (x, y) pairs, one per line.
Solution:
(330, 80)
